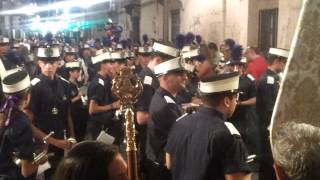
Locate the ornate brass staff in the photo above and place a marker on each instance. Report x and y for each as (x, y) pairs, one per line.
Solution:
(127, 87)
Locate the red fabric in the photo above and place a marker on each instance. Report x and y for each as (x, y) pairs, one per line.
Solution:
(257, 67)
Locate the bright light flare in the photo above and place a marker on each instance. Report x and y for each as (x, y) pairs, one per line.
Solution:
(31, 9)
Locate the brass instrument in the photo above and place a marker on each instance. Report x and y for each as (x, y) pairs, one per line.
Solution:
(38, 158)
(43, 156)
(127, 87)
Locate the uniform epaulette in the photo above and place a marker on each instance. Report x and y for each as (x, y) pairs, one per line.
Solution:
(35, 81)
(101, 81)
(250, 77)
(270, 80)
(63, 79)
(147, 80)
(233, 130)
(169, 99)
(184, 115)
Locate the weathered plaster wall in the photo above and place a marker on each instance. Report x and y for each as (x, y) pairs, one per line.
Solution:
(204, 18)
(288, 17)
(216, 20)
(151, 22)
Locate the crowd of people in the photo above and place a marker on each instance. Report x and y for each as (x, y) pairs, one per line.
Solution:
(204, 111)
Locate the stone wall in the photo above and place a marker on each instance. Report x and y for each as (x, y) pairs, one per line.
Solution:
(289, 11)
(151, 22)
(216, 20)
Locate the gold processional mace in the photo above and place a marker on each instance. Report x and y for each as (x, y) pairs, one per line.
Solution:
(127, 87)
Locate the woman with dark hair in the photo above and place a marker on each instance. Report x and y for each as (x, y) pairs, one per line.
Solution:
(92, 160)
(16, 140)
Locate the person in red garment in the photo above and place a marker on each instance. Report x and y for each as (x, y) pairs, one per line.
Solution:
(257, 64)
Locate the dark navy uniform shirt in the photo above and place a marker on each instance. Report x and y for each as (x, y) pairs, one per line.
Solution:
(74, 93)
(17, 137)
(12, 60)
(99, 90)
(247, 89)
(63, 72)
(267, 91)
(46, 96)
(150, 85)
(202, 146)
(163, 112)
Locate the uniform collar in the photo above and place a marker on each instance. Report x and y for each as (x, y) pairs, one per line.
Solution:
(271, 72)
(164, 92)
(46, 78)
(210, 111)
(107, 78)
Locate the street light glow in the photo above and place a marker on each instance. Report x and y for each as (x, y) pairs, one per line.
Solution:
(31, 9)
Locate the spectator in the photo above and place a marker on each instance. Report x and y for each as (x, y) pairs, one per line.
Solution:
(257, 65)
(296, 148)
(92, 160)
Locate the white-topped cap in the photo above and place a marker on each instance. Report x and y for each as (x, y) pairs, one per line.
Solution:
(15, 81)
(48, 52)
(118, 55)
(101, 57)
(165, 49)
(74, 64)
(220, 83)
(186, 48)
(191, 54)
(279, 52)
(69, 49)
(145, 49)
(169, 65)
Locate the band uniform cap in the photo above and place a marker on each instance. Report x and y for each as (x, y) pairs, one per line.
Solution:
(119, 46)
(186, 48)
(4, 40)
(189, 67)
(101, 57)
(129, 54)
(118, 55)
(165, 49)
(69, 49)
(86, 46)
(145, 49)
(279, 52)
(15, 81)
(169, 66)
(191, 54)
(101, 51)
(74, 64)
(220, 83)
(48, 52)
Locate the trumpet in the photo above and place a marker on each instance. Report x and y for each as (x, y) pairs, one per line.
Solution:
(43, 156)
(37, 158)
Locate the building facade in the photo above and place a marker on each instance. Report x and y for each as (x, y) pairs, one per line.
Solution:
(261, 23)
